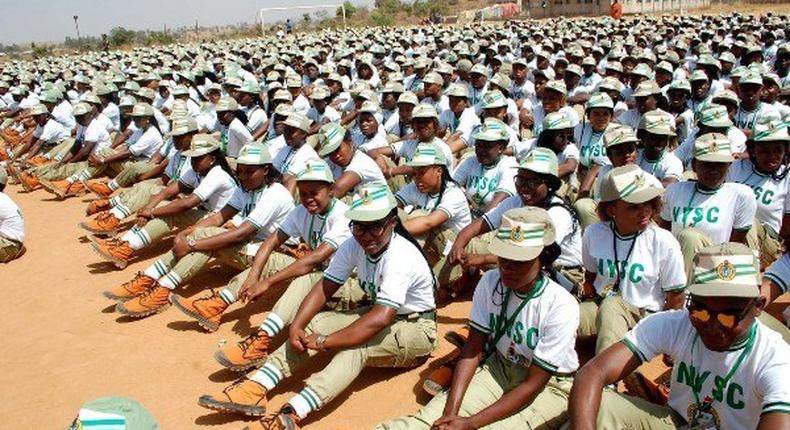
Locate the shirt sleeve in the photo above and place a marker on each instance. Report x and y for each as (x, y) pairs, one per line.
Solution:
(653, 334)
(337, 233)
(407, 195)
(557, 338)
(779, 272)
(571, 152)
(672, 276)
(587, 259)
(342, 263)
(674, 168)
(238, 199)
(773, 385)
(507, 174)
(292, 222)
(745, 208)
(268, 209)
(210, 184)
(461, 172)
(479, 317)
(666, 208)
(453, 203)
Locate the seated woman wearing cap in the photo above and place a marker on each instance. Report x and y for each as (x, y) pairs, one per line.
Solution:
(487, 177)
(710, 210)
(234, 134)
(91, 154)
(632, 267)
(557, 136)
(589, 135)
(211, 183)
(320, 112)
(515, 369)
(250, 216)
(399, 127)
(439, 209)
(730, 371)
(766, 172)
(291, 158)
(678, 94)
(368, 132)
(459, 121)
(250, 103)
(397, 330)
(111, 211)
(47, 134)
(321, 223)
(351, 168)
(648, 98)
(12, 225)
(552, 97)
(536, 183)
(712, 119)
(657, 134)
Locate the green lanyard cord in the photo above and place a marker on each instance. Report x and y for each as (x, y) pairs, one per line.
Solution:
(314, 244)
(504, 323)
(746, 349)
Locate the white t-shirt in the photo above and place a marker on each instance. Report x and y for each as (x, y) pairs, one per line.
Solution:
(264, 208)
(772, 196)
(395, 127)
(544, 331)
(592, 151)
(398, 278)
(365, 143)
(568, 232)
(63, 113)
(52, 132)
(480, 183)
(407, 148)
(290, 161)
(112, 112)
(779, 273)
(96, 132)
(276, 144)
(255, 117)
(654, 266)
(761, 383)
(453, 203)
(667, 165)
(214, 190)
(731, 207)
(330, 228)
(177, 165)
(363, 166)
(12, 225)
(144, 144)
(329, 113)
(465, 124)
(234, 137)
(745, 119)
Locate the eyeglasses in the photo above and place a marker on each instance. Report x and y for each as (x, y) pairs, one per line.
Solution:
(531, 183)
(728, 319)
(621, 150)
(376, 229)
(564, 136)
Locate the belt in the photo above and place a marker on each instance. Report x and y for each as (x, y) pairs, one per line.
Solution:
(429, 315)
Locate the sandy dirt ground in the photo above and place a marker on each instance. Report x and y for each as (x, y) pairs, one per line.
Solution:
(63, 344)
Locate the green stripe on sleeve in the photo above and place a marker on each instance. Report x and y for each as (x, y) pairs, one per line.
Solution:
(635, 350)
(481, 328)
(545, 365)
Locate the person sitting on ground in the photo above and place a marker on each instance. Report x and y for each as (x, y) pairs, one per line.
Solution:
(12, 225)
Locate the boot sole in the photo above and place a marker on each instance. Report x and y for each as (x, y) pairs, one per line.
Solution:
(455, 339)
(121, 310)
(251, 411)
(98, 194)
(105, 233)
(111, 296)
(118, 263)
(52, 190)
(220, 358)
(432, 388)
(202, 321)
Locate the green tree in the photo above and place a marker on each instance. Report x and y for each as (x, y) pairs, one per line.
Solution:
(121, 36)
(350, 10)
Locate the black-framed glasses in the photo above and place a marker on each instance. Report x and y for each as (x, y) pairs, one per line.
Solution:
(728, 319)
(621, 150)
(531, 183)
(376, 229)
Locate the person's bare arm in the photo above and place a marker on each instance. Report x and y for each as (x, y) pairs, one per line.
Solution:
(589, 180)
(738, 236)
(675, 300)
(567, 167)
(608, 367)
(774, 420)
(345, 183)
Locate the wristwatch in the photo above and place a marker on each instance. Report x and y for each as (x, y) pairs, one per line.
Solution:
(319, 341)
(191, 243)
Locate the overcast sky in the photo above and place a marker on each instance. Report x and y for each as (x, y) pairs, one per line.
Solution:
(51, 20)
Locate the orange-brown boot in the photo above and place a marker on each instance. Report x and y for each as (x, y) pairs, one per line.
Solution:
(458, 337)
(153, 301)
(38, 161)
(63, 189)
(207, 310)
(286, 419)
(96, 206)
(113, 250)
(99, 187)
(29, 182)
(249, 352)
(103, 224)
(131, 289)
(441, 377)
(245, 396)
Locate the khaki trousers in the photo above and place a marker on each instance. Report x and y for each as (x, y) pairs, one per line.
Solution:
(586, 208)
(405, 343)
(490, 382)
(131, 200)
(158, 227)
(621, 411)
(447, 274)
(609, 321)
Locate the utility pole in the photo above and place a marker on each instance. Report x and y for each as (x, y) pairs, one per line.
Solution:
(77, 26)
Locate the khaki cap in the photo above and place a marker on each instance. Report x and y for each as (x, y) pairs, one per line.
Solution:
(523, 234)
(628, 183)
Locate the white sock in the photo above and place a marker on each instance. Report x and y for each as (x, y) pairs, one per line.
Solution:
(227, 296)
(118, 212)
(156, 270)
(170, 281)
(113, 185)
(72, 179)
(272, 325)
(304, 402)
(137, 238)
(268, 376)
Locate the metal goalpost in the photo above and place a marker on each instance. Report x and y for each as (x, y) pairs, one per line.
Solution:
(323, 6)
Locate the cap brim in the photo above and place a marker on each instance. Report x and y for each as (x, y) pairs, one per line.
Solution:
(364, 216)
(644, 195)
(716, 289)
(715, 158)
(326, 150)
(500, 248)
(199, 153)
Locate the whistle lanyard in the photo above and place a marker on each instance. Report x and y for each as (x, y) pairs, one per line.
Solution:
(310, 233)
(738, 362)
(616, 286)
(505, 323)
